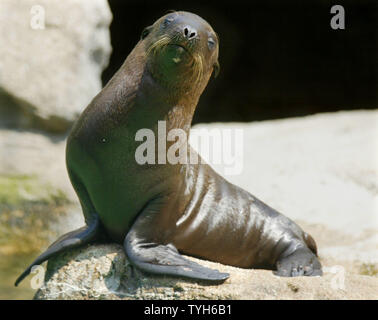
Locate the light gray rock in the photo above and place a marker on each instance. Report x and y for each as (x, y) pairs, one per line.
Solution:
(103, 272)
(32, 154)
(52, 53)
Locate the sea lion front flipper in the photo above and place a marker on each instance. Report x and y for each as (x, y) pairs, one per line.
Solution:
(165, 259)
(69, 240)
(157, 258)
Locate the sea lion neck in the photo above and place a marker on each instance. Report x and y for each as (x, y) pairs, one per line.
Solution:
(177, 111)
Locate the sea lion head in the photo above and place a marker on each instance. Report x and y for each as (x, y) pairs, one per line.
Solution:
(182, 51)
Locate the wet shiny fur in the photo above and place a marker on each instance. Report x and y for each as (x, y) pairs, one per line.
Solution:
(159, 211)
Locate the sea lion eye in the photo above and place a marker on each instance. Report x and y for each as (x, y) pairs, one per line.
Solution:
(211, 43)
(167, 21)
(146, 31)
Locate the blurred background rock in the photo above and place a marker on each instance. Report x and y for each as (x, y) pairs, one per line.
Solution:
(278, 59)
(49, 75)
(52, 54)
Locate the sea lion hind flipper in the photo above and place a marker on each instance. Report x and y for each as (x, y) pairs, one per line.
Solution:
(69, 240)
(165, 259)
(302, 262)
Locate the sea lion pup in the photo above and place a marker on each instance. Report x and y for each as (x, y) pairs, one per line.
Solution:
(161, 210)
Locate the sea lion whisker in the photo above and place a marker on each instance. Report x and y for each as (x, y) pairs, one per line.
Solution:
(197, 69)
(157, 45)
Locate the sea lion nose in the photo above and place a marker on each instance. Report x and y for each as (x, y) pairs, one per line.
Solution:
(189, 32)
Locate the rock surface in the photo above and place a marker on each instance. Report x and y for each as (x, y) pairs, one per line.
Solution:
(37, 154)
(103, 272)
(37, 203)
(52, 54)
(319, 170)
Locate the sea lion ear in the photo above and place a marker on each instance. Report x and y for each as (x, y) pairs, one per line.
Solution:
(146, 31)
(216, 69)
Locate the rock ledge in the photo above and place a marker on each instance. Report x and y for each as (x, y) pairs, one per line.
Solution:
(103, 272)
